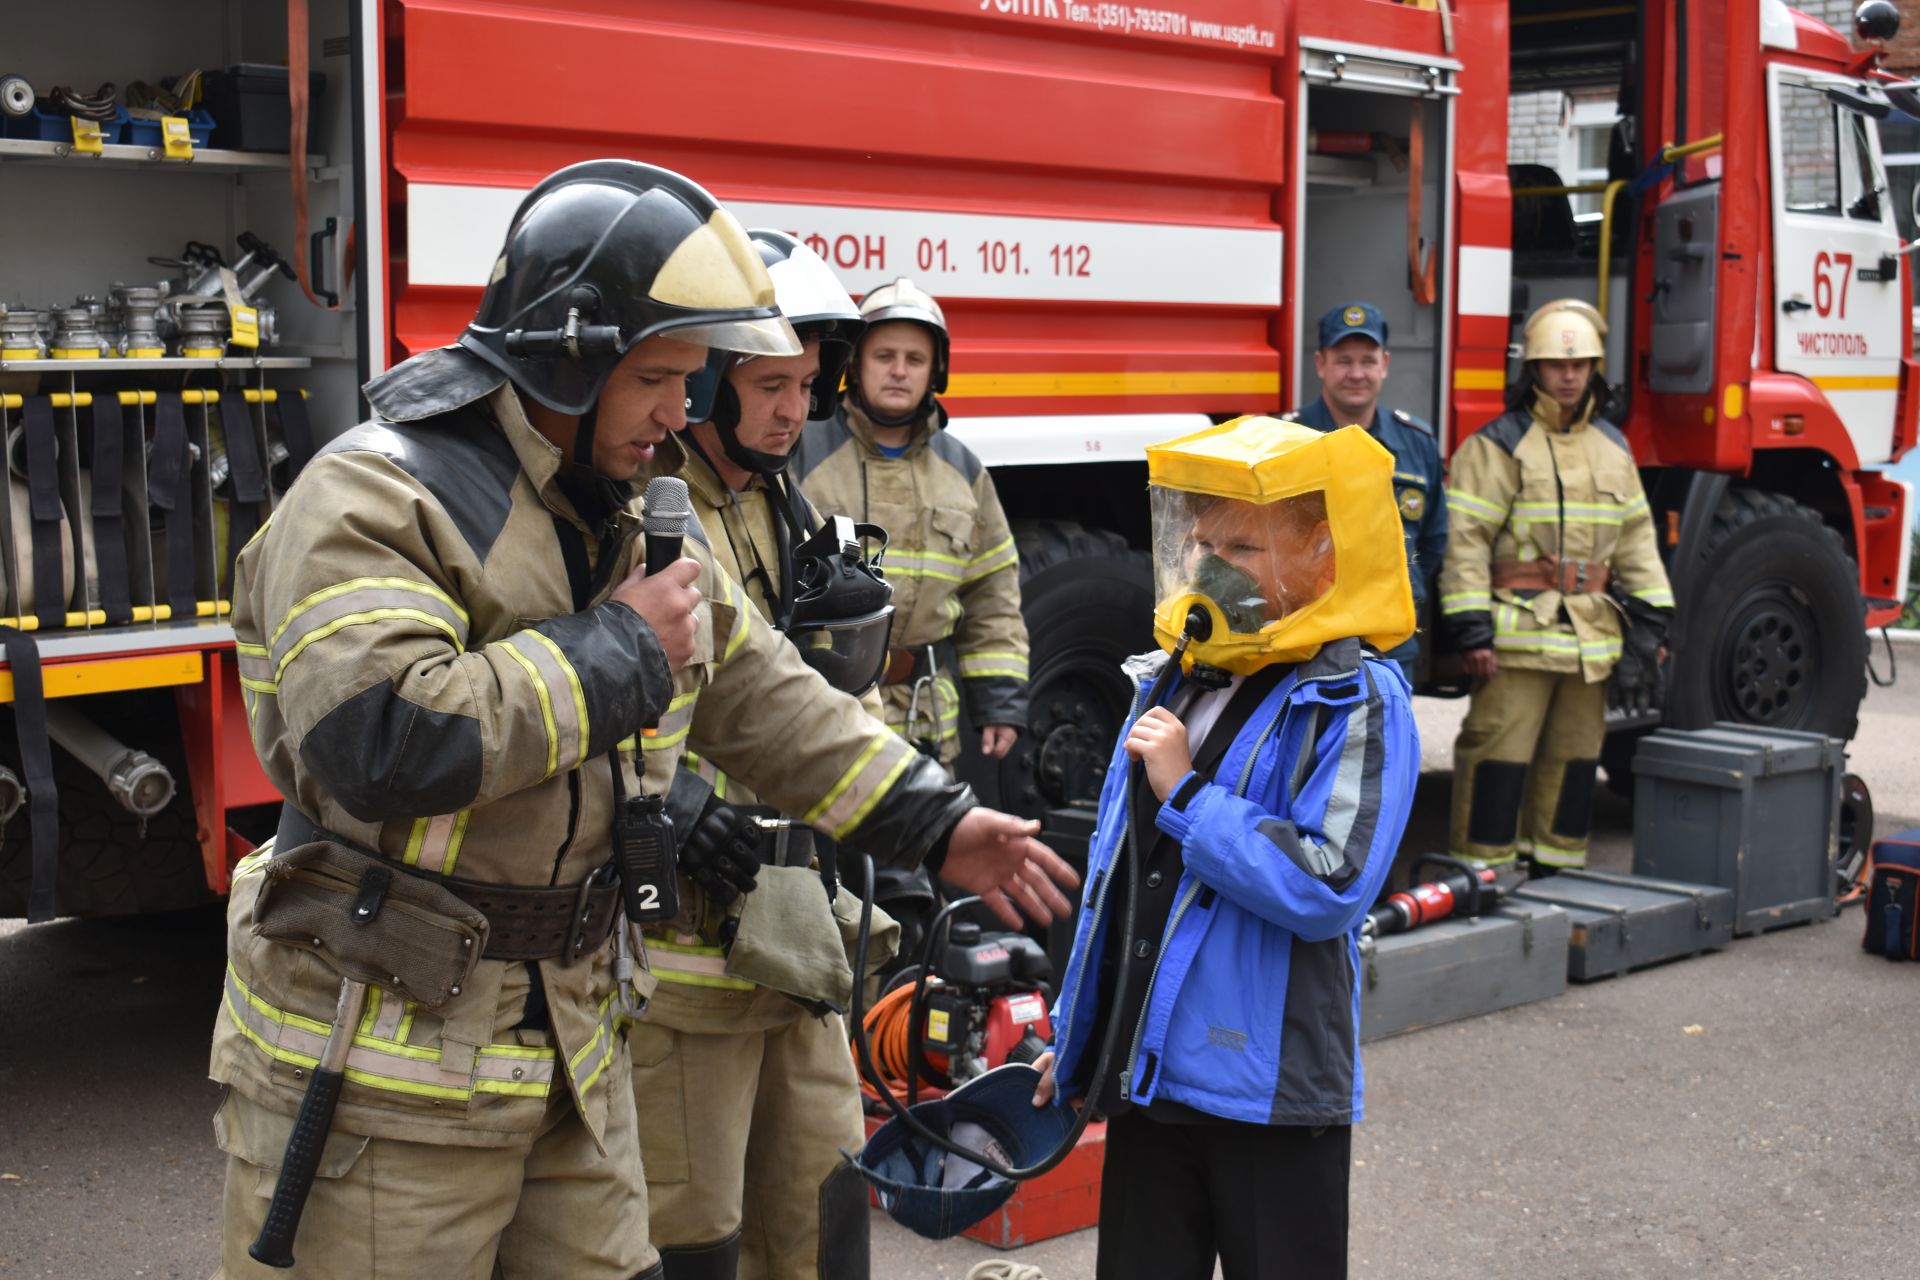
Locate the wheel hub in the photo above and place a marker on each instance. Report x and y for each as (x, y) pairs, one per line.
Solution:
(1770, 653)
(1076, 708)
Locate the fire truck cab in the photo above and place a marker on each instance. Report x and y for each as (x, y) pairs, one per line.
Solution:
(1132, 215)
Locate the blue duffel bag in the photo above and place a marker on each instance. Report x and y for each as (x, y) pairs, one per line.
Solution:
(1893, 897)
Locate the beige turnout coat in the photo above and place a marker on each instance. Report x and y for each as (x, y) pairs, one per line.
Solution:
(418, 681)
(1521, 488)
(951, 559)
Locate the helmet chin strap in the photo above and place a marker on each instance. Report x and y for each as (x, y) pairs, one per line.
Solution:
(882, 420)
(749, 460)
(595, 497)
(583, 437)
(726, 422)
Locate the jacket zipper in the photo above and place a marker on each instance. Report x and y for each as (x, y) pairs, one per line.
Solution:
(1180, 908)
(1106, 877)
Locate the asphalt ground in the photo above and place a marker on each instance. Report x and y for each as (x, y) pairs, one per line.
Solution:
(1754, 1112)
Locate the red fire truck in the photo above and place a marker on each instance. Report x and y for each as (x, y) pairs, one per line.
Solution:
(1132, 214)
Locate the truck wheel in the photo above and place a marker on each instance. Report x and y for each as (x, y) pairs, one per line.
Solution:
(1775, 631)
(1088, 602)
(108, 867)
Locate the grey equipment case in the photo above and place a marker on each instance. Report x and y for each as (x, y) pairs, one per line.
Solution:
(1459, 968)
(1752, 810)
(1622, 922)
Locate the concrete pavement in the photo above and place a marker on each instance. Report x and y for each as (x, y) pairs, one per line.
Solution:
(1750, 1113)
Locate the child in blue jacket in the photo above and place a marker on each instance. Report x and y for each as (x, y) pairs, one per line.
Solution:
(1248, 819)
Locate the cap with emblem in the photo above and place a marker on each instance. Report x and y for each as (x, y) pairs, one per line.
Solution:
(1354, 320)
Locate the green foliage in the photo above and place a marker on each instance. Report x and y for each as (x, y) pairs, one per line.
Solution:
(1910, 616)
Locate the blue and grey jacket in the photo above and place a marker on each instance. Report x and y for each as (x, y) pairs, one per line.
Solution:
(1253, 1010)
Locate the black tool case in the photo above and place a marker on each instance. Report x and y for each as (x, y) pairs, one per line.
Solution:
(1459, 968)
(1753, 809)
(1621, 922)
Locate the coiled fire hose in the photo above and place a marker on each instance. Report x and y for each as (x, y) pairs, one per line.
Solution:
(98, 105)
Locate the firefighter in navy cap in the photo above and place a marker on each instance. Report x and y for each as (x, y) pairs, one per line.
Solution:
(457, 670)
(1352, 361)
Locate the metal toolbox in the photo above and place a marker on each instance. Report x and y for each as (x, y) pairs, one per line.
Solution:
(1752, 810)
(1622, 922)
(1455, 969)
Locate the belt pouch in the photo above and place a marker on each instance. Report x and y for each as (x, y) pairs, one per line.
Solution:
(370, 921)
(788, 940)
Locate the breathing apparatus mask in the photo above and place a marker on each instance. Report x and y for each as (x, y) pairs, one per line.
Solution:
(1282, 538)
(842, 606)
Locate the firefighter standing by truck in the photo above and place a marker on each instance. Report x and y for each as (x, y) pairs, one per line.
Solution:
(450, 653)
(1548, 514)
(1352, 362)
(745, 1092)
(887, 458)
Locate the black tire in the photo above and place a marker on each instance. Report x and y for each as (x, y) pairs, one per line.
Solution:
(1088, 603)
(1855, 837)
(1774, 633)
(108, 867)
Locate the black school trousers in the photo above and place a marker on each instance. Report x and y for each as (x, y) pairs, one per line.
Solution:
(1269, 1201)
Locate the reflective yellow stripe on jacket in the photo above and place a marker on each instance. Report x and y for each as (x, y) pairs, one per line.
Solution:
(861, 787)
(390, 1064)
(692, 965)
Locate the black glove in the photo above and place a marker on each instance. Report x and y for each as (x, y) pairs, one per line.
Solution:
(1465, 632)
(722, 852)
(1638, 684)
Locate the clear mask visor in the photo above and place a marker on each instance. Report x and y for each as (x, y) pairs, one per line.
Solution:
(1251, 564)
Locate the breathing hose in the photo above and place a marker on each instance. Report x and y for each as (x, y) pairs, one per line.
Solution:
(1198, 627)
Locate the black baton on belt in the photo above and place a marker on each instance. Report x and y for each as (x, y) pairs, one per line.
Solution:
(274, 1246)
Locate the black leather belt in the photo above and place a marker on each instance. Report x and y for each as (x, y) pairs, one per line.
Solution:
(524, 922)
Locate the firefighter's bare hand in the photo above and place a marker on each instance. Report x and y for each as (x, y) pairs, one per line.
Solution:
(1159, 741)
(1043, 1094)
(996, 740)
(669, 603)
(995, 855)
(1480, 664)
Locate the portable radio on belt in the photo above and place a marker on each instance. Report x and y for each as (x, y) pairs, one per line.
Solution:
(644, 855)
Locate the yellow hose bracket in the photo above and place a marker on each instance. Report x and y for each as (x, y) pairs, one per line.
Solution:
(176, 140)
(12, 401)
(199, 397)
(87, 139)
(254, 395)
(246, 326)
(78, 400)
(131, 398)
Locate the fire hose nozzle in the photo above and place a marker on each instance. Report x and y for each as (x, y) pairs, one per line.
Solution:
(142, 785)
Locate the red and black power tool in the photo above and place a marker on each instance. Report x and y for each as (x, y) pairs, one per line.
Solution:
(977, 1000)
(1465, 890)
(989, 1006)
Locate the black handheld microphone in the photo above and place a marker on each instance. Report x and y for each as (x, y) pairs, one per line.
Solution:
(664, 513)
